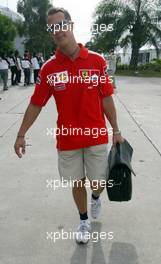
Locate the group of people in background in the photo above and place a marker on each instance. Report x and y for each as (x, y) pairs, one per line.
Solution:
(17, 64)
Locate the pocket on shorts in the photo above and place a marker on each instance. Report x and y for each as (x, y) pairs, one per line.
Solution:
(99, 148)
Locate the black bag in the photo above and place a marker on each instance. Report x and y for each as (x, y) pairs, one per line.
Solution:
(119, 172)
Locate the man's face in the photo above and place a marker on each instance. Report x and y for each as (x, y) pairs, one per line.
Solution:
(61, 36)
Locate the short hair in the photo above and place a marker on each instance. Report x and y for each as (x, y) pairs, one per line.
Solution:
(16, 52)
(55, 10)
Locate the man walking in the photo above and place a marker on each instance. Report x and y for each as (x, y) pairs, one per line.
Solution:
(26, 67)
(13, 68)
(4, 65)
(112, 66)
(18, 67)
(81, 107)
(35, 66)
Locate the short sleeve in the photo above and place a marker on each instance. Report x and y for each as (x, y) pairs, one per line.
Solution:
(42, 91)
(106, 86)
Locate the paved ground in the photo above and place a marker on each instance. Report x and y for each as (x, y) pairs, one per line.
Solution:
(29, 209)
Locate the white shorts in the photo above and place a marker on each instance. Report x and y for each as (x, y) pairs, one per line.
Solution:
(92, 162)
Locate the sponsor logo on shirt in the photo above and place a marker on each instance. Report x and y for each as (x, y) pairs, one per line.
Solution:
(57, 78)
(89, 73)
(62, 76)
(94, 77)
(85, 74)
(59, 87)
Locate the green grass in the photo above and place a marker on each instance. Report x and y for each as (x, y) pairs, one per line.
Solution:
(139, 74)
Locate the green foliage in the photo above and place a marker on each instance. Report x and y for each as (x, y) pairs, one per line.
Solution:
(156, 61)
(153, 66)
(7, 34)
(123, 67)
(133, 23)
(34, 27)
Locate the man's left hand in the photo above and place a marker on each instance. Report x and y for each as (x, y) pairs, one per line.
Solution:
(117, 139)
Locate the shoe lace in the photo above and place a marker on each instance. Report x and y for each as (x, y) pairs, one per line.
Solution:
(95, 205)
(83, 228)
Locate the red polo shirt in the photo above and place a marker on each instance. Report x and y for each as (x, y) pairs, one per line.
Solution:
(81, 121)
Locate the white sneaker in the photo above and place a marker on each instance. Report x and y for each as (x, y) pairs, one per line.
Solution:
(95, 207)
(83, 232)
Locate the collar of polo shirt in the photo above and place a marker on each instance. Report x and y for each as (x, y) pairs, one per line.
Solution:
(83, 53)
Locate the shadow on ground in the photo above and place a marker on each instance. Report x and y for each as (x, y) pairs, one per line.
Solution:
(120, 253)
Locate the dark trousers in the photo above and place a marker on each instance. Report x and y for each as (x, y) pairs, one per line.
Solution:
(18, 76)
(36, 72)
(13, 75)
(4, 77)
(27, 75)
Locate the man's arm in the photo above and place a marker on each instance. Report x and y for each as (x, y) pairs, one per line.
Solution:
(110, 112)
(30, 116)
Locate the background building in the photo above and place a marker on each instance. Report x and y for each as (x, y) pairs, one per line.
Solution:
(19, 41)
(146, 54)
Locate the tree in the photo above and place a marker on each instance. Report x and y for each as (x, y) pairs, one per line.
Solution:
(34, 27)
(7, 33)
(133, 24)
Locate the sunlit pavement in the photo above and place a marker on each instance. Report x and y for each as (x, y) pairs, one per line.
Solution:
(31, 211)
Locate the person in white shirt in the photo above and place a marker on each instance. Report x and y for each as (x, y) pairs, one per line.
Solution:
(4, 65)
(35, 66)
(18, 67)
(112, 66)
(13, 68)
(40, 59)
(25, 63)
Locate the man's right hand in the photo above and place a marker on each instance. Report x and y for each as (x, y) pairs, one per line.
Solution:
(30, 116)
(20, 146)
